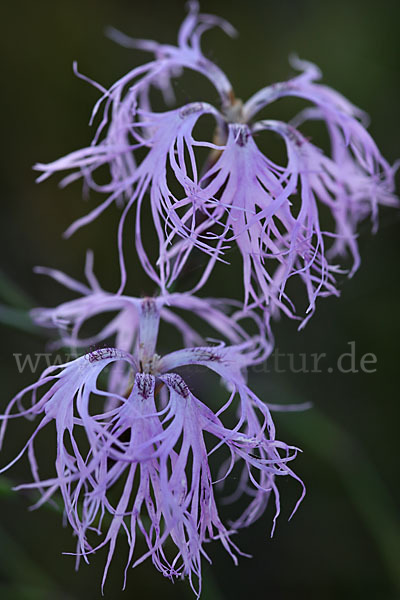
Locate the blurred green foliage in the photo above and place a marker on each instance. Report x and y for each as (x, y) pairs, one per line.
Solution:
(344, 540)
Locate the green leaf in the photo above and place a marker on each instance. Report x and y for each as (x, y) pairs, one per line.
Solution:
(368, 492)
(18, 319)
(12, 294)
(209, 586)
(6, 487)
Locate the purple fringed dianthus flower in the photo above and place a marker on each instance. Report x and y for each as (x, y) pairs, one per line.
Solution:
(137, 461)
(225, 318)
(270, 211)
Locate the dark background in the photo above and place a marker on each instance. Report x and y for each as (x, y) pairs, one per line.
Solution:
(344, 541)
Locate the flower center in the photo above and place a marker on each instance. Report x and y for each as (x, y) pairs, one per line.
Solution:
(233, 112)
(150, 365)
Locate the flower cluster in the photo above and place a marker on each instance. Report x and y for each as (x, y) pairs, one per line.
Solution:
(269, 211)
(135, 445)
(149, 425)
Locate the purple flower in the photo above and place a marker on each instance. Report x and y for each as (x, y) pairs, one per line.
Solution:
(137, 461)
(225, 319)
(223, 316)
(270, 211)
